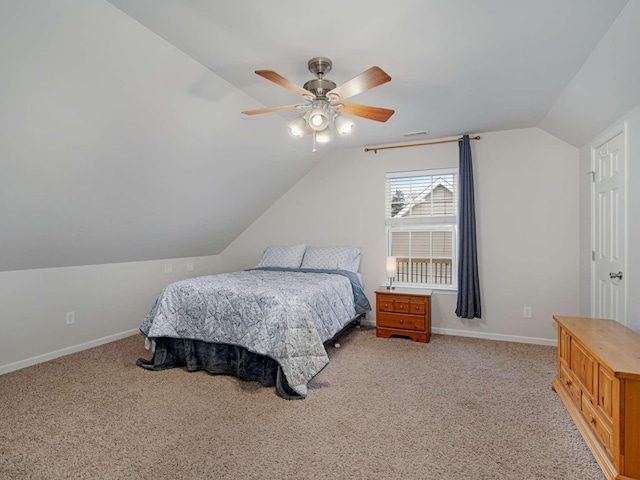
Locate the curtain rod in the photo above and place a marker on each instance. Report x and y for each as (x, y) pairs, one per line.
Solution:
(375, 149)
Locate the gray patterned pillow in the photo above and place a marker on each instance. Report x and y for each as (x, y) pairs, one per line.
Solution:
(340, 258)
(283, 256)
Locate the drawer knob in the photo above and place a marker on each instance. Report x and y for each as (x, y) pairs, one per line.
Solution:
(401, 321)
(401, 307)
(568, 382)
(592, 419)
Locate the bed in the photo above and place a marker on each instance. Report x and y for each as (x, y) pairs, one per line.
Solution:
(267, 324)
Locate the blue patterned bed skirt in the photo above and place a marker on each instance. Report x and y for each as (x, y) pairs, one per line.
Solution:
(219, 359)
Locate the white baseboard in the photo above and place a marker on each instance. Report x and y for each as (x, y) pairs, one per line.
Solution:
(551, 342)
(367, 322)
(65, 351)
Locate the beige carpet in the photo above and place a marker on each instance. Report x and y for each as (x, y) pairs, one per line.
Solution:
(455, 408)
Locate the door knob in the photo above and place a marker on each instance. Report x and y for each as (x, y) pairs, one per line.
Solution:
(615, 275)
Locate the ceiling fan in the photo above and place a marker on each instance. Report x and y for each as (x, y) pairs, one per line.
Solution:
(324, 100)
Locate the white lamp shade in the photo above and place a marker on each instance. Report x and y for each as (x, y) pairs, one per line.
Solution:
(297, 126)
(318, 120)
(324, 136)
(392, 267)
(343, 125)
(319, 116)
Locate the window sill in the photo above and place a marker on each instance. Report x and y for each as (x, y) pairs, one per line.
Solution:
(434, 289)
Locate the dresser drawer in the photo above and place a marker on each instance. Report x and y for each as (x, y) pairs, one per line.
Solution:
(399, 320)
(582, 366)
(599, 426)
(569, 382)
(605, 391)
(564, 345)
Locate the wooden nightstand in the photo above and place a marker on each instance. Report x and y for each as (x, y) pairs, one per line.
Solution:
(405, 312)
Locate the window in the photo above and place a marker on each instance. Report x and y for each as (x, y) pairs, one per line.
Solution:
(422, 224)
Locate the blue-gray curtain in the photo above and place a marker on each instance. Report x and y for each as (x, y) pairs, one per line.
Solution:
(468, 284)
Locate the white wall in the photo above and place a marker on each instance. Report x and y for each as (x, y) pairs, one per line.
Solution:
(109, 301)
(116, 147)
(632, 271)
(526, 185)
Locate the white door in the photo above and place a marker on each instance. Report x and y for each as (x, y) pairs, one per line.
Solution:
(609, 240)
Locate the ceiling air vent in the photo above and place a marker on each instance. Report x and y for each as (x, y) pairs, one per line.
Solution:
(415, 134)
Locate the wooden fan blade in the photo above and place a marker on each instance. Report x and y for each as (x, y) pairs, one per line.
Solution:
(365, 81)
(273, 109)
(283, 82)
(370, 113)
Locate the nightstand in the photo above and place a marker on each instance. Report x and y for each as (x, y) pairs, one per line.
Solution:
(405, 312)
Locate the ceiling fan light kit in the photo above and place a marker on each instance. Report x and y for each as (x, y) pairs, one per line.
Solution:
(324, 110)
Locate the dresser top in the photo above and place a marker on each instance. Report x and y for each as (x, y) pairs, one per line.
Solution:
(609, 341)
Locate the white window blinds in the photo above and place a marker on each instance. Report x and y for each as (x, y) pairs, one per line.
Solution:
(428, 197)
(421, 219)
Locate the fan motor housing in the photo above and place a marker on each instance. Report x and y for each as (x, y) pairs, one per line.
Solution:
(319, 86)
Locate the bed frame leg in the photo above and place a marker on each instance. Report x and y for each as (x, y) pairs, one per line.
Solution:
(357, 322)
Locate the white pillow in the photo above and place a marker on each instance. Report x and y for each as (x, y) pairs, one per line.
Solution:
(332, 258)
(283, 256)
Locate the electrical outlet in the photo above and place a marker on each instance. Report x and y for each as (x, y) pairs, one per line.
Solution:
(71, 318)
(190, 267)
(527, 312)
(168, 268)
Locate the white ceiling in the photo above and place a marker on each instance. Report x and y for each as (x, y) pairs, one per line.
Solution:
(459, 66)
(121, 137)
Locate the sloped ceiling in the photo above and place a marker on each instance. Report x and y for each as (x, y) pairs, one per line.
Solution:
(121, 136)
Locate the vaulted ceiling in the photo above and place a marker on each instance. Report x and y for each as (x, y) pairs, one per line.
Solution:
(121, 136)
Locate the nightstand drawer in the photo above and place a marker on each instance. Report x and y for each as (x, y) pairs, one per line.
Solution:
(400, 320)
(417, 308)
(385, 303)
(401, 306)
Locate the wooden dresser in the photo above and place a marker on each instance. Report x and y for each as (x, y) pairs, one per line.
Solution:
(599, 383)
(405, 312)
